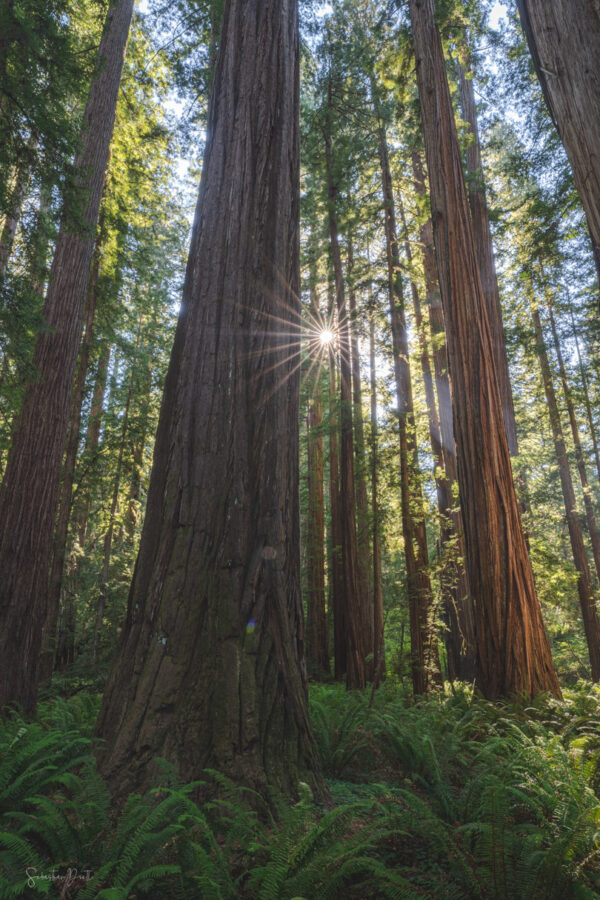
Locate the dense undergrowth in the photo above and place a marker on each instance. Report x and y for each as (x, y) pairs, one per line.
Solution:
(450, 797)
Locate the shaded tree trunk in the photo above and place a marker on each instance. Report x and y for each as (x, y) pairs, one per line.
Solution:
(564, 39)
(589, 612)
(586, 394)
(581, 467)
(34, 465)
(459, 614)
(13, 217)
(513, 653)
(66, 488)
(424, 652)
(485, 257)
(356, 605)
(210, 670)
(336, 566)
(378, 636)
(317, 650)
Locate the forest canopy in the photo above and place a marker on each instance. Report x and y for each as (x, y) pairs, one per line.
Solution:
(299, 455)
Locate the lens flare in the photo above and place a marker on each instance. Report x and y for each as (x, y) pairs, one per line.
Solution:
(326, 337)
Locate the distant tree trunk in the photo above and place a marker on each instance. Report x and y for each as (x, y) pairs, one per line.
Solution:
(92, 438)
(424, 651)
(317, 651)
(589, 612)
(513, 651)
(13, 217)
(485, 257)
(362, 504)
(586, 394)
(33, 468)
(66, 488)
(564, 39)
(378, 637)
(459, 615)
(357, 645)
(210, 669)
(581, 467)
(336, 567)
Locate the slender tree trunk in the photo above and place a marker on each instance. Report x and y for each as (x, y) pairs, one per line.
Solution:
(564, 39)
(362, 503)
(336, 566)
(92, 439)
(424, 652)
(513, 653)
(13, 217)
(378, 636)
(586, 394)
(357, 644)
(459, 615)
(485, 257)
(210, 670)
(34, 465)
(589, 612)
(579, 456)
(66, 488)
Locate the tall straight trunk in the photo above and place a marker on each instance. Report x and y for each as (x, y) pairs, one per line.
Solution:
(13, 217)
(378, 636)
(425, 663)
(92, 438)
(589, 612)
(513, 653)
(564, 39)
(581, 467)
(586, 394)
(336, 565)
(363, 537)
(317, 649)
(356, 604)
(34, 465)
(210, 669)
(459, 615)
(485, 256)
(66, 488)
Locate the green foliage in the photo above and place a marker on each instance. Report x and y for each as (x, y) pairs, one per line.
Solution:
(452, 797)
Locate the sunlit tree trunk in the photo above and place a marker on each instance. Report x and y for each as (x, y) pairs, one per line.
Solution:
(485, 256)
(336, 570)
(459, 613)
(210, 670)
(378, 641)
(424, 650)
(513, 653)
(34, 465)
(589, 611)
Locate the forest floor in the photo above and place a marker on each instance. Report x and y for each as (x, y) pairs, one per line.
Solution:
(450, 797)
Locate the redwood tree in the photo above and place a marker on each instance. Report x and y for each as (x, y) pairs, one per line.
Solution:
(564, 39)
(210, 668)
(513, 653)
(30, 486)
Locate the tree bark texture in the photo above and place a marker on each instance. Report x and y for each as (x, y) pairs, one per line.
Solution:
(485, 256)
(587, 602)
(210, 670)
(34, 465)
(459, 613)
(424, 651)
(564, 39)
(513, 653)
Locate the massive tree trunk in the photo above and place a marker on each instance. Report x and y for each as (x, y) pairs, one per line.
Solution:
(358, 645)
(485, 257)
(30, 487)
(513, 651)
(210, 670)
(587, 602)
(564, 39)
(425, 663)
(459, 613)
